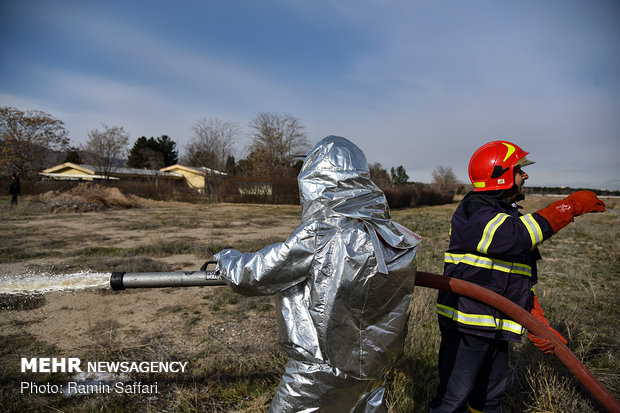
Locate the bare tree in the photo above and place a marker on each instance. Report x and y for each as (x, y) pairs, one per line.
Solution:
(276, 140)
(154, 159)
(213, 143)
(105, 148)
(379, 175)
(444, 178)
(27, 138)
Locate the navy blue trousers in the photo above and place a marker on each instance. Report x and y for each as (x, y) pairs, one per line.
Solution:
(473, 373)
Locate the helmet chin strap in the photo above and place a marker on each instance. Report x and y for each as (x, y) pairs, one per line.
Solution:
(514, 194)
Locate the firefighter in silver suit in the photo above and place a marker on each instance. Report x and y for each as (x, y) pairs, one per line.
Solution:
(345, 278)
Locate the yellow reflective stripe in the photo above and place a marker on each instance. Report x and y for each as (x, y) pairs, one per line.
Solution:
(482, 320)
(510, 151)
(489, 263)
(533, 228)
(489, 231)
(479, 185)
(472, 410)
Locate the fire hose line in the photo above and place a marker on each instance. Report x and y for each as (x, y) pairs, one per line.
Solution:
(440, 282)
(122, 280)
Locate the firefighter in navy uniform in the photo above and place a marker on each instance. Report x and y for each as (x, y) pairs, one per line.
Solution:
(493, 245)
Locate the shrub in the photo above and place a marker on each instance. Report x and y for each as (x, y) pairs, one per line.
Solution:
(417, 194)
(400, 196)
(257, 190)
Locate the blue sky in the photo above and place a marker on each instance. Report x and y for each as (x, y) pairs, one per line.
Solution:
(413, 83)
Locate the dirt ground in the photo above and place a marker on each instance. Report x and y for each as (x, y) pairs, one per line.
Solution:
(67, 316)
(54, 235)
(105, 218)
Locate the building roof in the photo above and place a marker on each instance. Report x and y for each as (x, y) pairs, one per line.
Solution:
(96, 172)
(200, 170)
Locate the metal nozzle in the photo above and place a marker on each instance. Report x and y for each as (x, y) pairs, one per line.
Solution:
(121, 280)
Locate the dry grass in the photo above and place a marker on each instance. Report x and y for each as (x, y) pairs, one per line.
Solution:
(229, 340)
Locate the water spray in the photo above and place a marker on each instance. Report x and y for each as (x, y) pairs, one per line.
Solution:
(40, 283)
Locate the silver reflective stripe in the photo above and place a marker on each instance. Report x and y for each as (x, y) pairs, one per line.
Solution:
(533, 228)
(489, 263)
(509, 325)
(489, 231)
(481, 320)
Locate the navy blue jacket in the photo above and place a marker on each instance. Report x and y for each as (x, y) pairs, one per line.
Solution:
(494, 246)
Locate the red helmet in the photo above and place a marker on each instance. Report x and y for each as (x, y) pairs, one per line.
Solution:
(491, 167)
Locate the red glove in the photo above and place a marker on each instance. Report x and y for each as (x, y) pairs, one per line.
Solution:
(543, 344)
(561, 213)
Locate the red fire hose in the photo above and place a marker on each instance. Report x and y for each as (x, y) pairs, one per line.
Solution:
(122, 280)
(425, 279)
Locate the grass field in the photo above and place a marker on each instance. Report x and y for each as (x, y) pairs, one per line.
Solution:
(229, 340)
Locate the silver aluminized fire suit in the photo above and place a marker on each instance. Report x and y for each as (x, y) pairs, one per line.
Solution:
(345, 278)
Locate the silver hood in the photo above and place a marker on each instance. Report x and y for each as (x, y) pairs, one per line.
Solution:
(335, 181)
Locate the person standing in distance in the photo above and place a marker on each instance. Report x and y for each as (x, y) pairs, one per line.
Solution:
(493, 245)
(14, 189)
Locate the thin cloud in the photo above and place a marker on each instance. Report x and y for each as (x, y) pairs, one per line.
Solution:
(416, 84)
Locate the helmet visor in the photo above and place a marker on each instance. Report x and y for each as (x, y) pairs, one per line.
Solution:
(524, 162)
